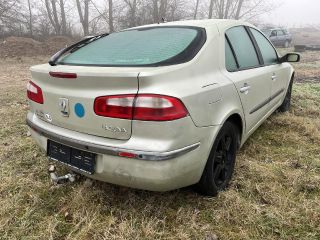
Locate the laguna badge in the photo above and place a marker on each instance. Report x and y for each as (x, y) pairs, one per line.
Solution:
(64, 106)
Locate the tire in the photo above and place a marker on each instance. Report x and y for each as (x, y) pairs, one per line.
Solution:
(286, 44)
(285, 106)
(220, 164)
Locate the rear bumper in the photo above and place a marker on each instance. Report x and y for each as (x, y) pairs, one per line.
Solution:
(102, 149)
(152, 170)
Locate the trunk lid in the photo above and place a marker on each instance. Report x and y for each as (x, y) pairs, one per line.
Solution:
(69, 102)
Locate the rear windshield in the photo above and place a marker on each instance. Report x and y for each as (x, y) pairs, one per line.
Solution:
(141, 47)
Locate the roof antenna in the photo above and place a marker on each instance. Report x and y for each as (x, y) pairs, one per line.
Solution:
(163, 20)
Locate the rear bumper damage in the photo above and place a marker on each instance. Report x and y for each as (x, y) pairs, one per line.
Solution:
(150, 170)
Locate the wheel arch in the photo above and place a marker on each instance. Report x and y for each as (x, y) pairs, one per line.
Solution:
(239, 122)
(292, 75)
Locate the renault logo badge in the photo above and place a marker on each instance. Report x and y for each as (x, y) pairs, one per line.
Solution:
(64, 106)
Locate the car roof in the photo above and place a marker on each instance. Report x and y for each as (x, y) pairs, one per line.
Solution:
(199, 23)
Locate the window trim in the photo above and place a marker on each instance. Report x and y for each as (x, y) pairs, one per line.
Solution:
(264, 64)
(256, 47)
(235, 56)
(185, 56)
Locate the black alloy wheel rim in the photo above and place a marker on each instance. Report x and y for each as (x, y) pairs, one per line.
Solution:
(223, 161)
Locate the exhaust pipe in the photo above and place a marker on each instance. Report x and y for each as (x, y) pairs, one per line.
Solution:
(60, 179)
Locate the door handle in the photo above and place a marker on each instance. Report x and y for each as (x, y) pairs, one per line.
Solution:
(274, 77)
(245, 89)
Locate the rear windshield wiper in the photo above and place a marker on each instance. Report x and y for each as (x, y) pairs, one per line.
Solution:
(53, 60)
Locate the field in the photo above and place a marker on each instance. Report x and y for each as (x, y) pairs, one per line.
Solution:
(275, 193)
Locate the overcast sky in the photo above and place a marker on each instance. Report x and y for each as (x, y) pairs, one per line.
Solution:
(295, 13)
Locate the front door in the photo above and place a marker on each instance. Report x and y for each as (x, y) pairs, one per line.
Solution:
(276, 73)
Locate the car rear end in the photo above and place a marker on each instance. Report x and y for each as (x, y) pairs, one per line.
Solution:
(107, 115)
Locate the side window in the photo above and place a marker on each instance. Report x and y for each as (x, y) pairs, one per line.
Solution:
(268, 52)
(243, 47)
(273, 33)
(231, 64)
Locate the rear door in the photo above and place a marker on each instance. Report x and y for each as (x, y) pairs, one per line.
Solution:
(245, 70)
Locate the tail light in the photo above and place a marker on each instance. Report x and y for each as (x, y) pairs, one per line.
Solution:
(34, 92)
(146, 107)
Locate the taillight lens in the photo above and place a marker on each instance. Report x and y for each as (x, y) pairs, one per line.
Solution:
(34, 92)
(114, 106)
(146, 107)
(151, 107)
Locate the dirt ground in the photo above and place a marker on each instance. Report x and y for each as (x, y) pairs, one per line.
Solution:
(275, 193)
(27, 47)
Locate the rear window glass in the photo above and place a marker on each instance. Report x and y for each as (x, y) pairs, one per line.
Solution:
(149, 46)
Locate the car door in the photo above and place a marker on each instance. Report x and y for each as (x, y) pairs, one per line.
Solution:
(250, 79)
(276, 73)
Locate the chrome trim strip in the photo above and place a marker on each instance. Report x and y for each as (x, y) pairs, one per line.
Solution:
(102, 149)
(265, 102)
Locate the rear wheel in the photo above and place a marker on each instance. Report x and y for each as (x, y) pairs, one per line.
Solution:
(220, 164)
(285, 106)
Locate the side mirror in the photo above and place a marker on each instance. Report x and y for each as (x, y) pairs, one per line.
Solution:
(290, 57)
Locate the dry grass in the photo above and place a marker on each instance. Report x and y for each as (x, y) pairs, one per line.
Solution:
(275, 193)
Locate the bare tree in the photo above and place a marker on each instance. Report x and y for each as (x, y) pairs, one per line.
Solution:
(159, 9)
(155, 11)
(10, 20)
(238, 9)
(63, 18)
(111, 20)
(196, 10)
(163, 9)
(132, 4)
(211, 9)
(237, 16)
(96, 16)
(84, 15)
(30, 18)
(53, 15)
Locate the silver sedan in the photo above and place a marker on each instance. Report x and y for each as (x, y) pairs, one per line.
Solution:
(159, 107)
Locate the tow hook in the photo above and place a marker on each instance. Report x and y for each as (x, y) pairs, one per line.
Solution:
(60, 179)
